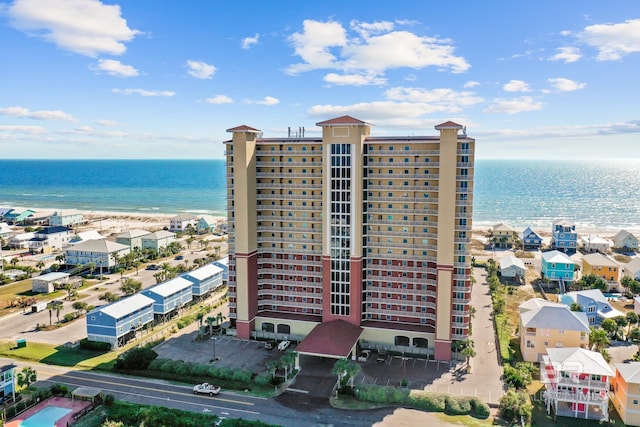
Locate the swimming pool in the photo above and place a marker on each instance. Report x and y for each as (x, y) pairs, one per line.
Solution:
(45, 418)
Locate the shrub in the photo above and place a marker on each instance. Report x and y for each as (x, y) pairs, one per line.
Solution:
(520, 375)
(59, 390)
(515, 405)
(480, 408)
(457, 405)
(69, 317)
(108, 400)
(137, 358)
(263, 379)
(434, 402)
(94, 345)
(346, 391)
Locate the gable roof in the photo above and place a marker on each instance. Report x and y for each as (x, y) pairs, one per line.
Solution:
(184, 216)
(126, 306)
(332, 339)
(54, 275)
(209, 219)
(161, 234)
(554, 317)
(342, 120)
(243, 128)
(570, 358)
(89, 235)
(448, 125)
(633, 266)
(623, 234)
(100, 246)
(600, 260)
(629, 371)
(132, 234)
(511, 261)
(502, 227)
(171, 287)
(204, 272)
(557, 257)
(529, 232)
(535, 303)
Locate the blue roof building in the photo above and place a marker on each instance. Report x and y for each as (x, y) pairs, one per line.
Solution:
(564, 236)
(557, 266)
(594, 303)
(117, 323)
(205, 279)
(168, 297)
(530, 239)
(7, 382)
(223, 263)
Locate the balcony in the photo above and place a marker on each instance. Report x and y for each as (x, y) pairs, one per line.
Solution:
(284, 175)
(277, 185)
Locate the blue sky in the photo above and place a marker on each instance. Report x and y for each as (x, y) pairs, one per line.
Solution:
(158, 79)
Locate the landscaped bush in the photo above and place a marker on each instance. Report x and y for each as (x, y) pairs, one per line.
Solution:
(58, 390)
(108, 400)
(263, 378)
(428, 401)
(94, 345)
(515, 405)
(137, 358)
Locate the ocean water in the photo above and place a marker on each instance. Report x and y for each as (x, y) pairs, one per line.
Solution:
(603, 195)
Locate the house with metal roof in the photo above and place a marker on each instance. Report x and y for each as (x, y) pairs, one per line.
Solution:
(530, 239)
(595, 243)
(207, 224)
(119, 322)
(551, 326)
(626, 392)
(632, 269)
(47, 283)
(503, 235)
(180, 222)
(50, 239)
(102, 253)
(603, 267)
(558, 267)
(205, 279)
(223, 263)
(564, 237)
(84, 236)
(625, 240)
(21, 241)
(511, 267)
(158, 240)
(5, 230)
(67, 218)
(594, 303)
(169, 297)
(576, 383)
(132, 238)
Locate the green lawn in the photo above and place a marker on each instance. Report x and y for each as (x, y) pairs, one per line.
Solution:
(58, 355)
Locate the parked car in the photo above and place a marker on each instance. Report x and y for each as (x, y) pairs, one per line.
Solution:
(270, 345)
(152, 267)
(382, 357)
(364, 356)
(179, 258)
(206, 388)
(284, 345)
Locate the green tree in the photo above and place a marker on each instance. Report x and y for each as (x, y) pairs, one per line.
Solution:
(634, 337)
(80, 307)
(610, 326)
(56, 306)
(40, 265)
(130, 286)
(515, 406)
(137, 358)
(27, 377)
(211, 322)
(599, 338)
(92, 267)
(468, 350)
(71, 289)
(575, 307)
(632, 320)
(605, 355)
(626, 282)
(346, 370)
(621, 322)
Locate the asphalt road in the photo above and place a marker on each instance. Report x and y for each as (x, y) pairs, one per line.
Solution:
(290, 409)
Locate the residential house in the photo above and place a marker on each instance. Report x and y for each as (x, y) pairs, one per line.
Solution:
(47, 283)
(592, 302)
(595, 243)
(576, 383)
(603, 267)
(564, 237)
(551, 326)
(207, 224)
(180, 222)
(158, 240)
(21, 241)
(626, 392)
(16, 217)
(5, 230)
(119, 322)
(558, 267)
(103, 254)
(512, 267)
(503, 236)
(536, 303)
(86, 235)
(7, 382)
(205, 279)
(632, 269)
(132, 238)
(50, 239)
(38, 218)
(530, 239)
(69, 218)
(4, 212)
(169, 297)
(223, 263)
(625, 240)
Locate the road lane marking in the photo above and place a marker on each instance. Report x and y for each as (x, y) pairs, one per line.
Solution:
(146, 388)
(165, 399)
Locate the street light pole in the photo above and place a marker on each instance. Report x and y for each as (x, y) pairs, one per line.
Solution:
(214, 350)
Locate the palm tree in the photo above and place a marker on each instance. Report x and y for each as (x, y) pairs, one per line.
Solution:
(92, 267)
(632, 319)
(468, 351)
(40, 265)
(211, 321)
(27, 377)
(220, 318)
(598, 338)
(346, 371)
(56, 306)
(216, 248)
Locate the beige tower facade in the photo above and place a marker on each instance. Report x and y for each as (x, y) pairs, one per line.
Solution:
(371, 231)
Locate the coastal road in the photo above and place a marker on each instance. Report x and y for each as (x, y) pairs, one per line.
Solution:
(306, 412)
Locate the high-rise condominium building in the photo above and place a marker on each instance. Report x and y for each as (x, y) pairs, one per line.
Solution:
(350, 239)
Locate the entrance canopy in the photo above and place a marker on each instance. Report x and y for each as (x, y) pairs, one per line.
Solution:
(335, 339)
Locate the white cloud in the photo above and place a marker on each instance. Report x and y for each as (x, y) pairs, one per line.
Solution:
(34, 130)
(87, 27)
(514, 105)
(268, 100)
(470, 84)
(115, 68)
(219, 99)
(105, 122)
(567, 54)
(565, 85)
(516, 86)
(37, 115)
(613, 41)
(445, 99)
(144, 92)
(354, 79)
(247, 42)
(374, 48)
(200, 70)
